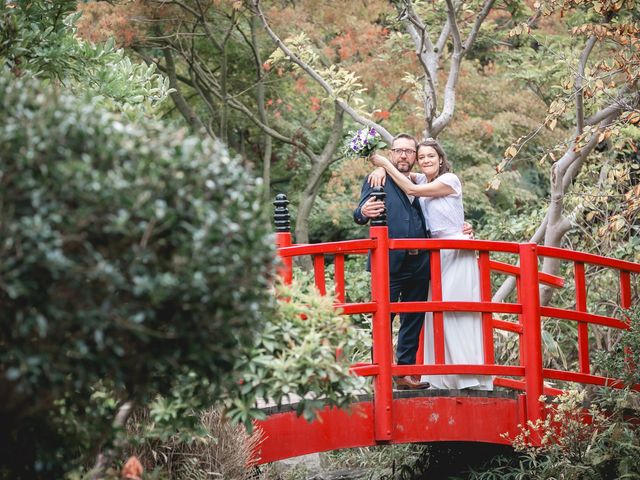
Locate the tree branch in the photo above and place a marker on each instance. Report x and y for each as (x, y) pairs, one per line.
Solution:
(449, 104)
(619, 104)
(428, 58)
(451, 20)
(105, 458)
(554, 226)
(205, 26)
(413, 23)
(183, 107)
(336, 134)
(578, 83)
(486, 8)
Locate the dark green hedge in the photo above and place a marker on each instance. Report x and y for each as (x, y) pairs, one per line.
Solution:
(128, 252)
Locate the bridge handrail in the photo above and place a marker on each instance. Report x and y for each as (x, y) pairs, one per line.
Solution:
(344, 247)
(448, 243)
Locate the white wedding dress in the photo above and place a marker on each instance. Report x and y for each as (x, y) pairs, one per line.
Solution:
(460, 282)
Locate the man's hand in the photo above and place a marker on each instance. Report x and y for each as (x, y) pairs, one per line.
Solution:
(377, 160)
(377, 177)
(467, 229)
(372, 208)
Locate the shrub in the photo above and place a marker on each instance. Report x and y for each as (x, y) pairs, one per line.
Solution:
(302, 356)
(606, 446)
(128, 252)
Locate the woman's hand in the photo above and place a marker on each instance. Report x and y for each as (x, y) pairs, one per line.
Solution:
(377, 177)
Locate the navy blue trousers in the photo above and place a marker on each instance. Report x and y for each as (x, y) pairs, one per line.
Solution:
(410, 284)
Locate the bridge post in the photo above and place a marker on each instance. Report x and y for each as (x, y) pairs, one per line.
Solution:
(282, 221)
(532, 331)
(382, 345)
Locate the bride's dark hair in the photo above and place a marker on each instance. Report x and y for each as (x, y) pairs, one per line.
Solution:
(444, 165)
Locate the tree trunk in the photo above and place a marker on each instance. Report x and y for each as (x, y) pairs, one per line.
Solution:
(319, 165)
(105, 458)
(306, 201)
(260, 97)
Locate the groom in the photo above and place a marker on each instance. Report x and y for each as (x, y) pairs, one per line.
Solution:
(408, 269)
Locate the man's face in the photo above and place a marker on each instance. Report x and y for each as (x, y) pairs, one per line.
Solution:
(403, 154)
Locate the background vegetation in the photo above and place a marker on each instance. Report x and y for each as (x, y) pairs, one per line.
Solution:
(141, 143)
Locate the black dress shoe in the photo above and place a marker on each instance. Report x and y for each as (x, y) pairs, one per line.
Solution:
(410, 383)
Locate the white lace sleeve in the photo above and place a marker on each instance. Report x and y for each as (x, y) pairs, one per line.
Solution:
(452, 181)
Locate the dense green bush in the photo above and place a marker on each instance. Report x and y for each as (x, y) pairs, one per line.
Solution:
(128, 252)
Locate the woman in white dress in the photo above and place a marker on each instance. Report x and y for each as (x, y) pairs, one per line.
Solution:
(440, 195)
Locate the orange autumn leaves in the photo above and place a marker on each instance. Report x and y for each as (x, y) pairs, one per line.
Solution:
(132, 470)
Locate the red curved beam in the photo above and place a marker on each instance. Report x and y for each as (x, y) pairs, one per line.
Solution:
(417, 419)
(583, 317)
(545, 278)
(565, 254)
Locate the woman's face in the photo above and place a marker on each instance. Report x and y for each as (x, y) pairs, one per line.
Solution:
(429, 161)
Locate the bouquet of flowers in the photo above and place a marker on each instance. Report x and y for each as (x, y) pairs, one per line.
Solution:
(362, 143)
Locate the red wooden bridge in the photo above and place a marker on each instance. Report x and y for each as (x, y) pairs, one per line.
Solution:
(434, 416)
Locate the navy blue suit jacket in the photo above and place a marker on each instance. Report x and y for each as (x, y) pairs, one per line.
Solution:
(404, 220)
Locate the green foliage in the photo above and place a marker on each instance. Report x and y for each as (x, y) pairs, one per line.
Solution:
(303, 355)
(129, 252)
(607, 210)
(117, 83)
(529, 63)
(39, 39)
(622, 362)
(35, 38)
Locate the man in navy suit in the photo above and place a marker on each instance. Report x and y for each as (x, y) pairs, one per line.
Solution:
(408, 269)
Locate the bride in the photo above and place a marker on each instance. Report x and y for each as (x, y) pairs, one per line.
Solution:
(440, 193)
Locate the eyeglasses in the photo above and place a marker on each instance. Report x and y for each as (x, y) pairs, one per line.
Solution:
(407, 151)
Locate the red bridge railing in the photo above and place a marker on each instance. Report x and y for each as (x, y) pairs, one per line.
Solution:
(528, 376)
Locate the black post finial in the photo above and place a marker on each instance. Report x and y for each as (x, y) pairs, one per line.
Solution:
(281, 216)
(381, 220)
